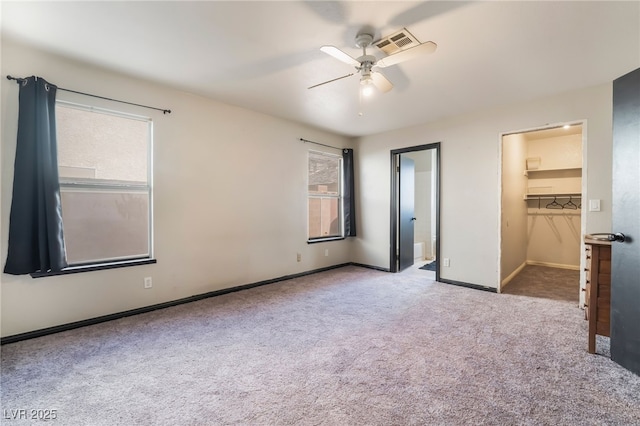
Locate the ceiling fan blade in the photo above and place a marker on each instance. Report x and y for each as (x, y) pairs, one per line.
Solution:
(424, 48)
(330, 81)
(340, 55)
(381, 82)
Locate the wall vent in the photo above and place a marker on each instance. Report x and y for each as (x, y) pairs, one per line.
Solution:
(401, 40)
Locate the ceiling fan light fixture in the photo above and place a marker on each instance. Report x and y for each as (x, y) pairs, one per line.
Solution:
(367, 90)
(366, 80)
(366, 86)
(367, 65)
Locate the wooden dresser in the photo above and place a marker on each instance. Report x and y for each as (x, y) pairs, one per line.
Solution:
(598, 288)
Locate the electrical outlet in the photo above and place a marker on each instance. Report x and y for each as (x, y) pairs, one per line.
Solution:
(299, 257)
(148, 283)
(446, 262)
(326, 252)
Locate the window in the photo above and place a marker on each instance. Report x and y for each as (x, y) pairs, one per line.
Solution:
(104, 163)
(325, 196)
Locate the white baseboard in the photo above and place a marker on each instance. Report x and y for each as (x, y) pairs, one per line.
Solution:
(511, 276)
(554, 265)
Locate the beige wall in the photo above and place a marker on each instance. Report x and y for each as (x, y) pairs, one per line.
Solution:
(514, 209)
(470, 170)
(230, 199)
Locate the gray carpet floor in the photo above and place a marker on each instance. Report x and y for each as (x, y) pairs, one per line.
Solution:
(350, 346)
(547, 283)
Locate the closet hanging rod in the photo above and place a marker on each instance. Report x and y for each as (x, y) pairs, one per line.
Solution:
(164, 111)
(552, 214)
(551, 197)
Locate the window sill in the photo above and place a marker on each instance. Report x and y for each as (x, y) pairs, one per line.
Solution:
(324, 240)
(95, 267)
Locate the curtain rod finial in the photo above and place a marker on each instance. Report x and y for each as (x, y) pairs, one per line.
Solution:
(16, 79)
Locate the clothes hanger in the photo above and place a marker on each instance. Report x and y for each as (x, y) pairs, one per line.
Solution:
(570, 205)
(554, 204)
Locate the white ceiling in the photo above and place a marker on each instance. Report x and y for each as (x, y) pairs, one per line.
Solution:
(263, 55)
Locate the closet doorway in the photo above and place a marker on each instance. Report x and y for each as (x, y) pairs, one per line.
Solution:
(415, 201)
(542, 220)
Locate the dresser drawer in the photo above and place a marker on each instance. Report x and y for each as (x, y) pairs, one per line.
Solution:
(598, 291)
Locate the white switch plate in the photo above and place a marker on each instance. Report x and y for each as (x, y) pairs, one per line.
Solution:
(446, 262)
(594, 205)
(148, 283)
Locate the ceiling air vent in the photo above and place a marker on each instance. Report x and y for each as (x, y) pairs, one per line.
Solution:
(402, 40)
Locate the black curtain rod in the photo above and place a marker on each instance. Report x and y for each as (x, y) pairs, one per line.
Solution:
(164, 111)
(321, 144)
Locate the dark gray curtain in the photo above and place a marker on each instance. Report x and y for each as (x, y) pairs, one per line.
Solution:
(349, 194)
(36, 241)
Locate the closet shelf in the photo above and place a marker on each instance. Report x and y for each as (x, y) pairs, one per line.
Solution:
(551, 195)
(563, 169)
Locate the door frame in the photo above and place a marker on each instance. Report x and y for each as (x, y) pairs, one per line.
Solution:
(395, 200)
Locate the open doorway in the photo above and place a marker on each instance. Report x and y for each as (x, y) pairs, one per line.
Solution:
(541, 212)
(415, 201)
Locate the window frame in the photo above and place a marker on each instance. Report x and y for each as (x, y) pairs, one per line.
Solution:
(339, 197)
(80, 184)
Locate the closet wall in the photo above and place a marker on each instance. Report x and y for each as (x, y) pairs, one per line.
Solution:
(541, 203)
(514, 208)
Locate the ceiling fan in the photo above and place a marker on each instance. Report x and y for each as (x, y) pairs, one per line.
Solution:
(364, 64)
